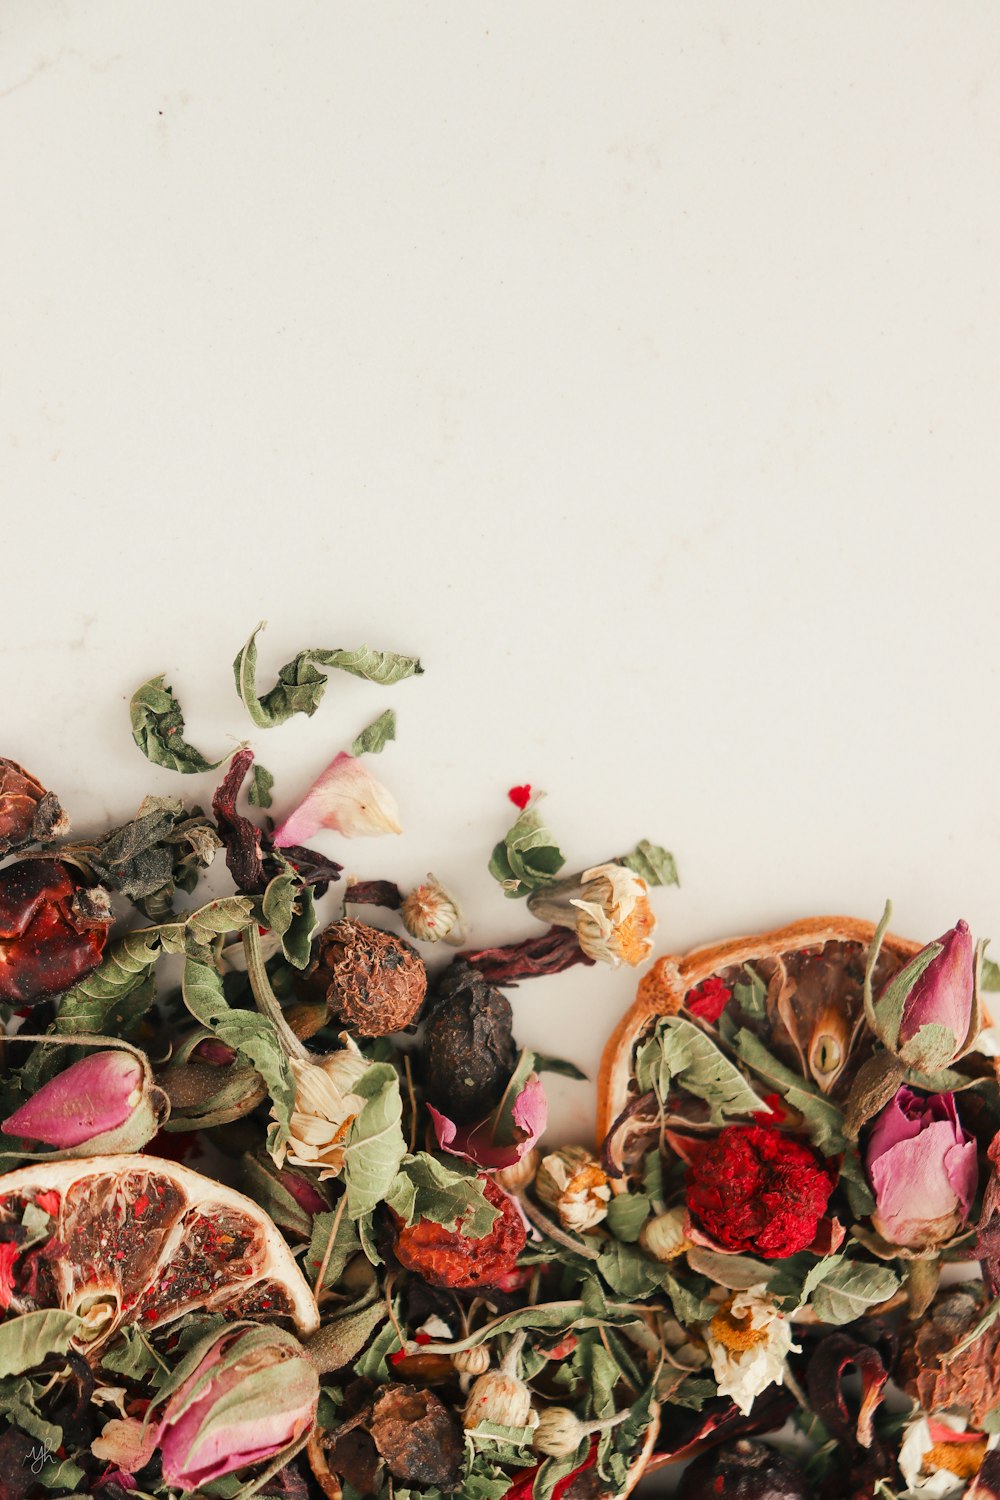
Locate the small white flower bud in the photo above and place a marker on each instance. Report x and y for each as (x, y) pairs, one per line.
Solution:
(559, 1432)
(429, 913)
(573, 1183)
(475, 1361)
(663, 1237)
(516, 1178)
(502, 1399)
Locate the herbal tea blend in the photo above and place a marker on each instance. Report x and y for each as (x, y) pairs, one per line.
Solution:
(279, 1215)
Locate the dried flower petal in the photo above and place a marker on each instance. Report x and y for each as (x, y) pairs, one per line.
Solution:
(749, 1340)
(477, 1143)
(346, 798)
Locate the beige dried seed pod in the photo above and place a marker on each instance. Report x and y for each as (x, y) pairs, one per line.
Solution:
(516, 1178)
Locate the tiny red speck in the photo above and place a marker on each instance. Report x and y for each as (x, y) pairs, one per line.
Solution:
(520, 795)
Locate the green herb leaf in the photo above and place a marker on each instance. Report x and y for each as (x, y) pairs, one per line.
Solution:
(627, 1271)
(688, 1307)
(850, 1288)
(343, 1338)
(375, 1146)
(546, 1064)
(19, 1403)
(158, 730)
(27, 1340)
(373, 1363)
(300, 686)
(289, 910)
(735, 1272)
(132, 1357)
(378, 734)
(527, 856)
(989, 978)
(655, 864)
(452, 1195)
(627, 1212)
(680, 1050)
(346, 1245)
(259, 794)
(824, 1120)
(752, 996)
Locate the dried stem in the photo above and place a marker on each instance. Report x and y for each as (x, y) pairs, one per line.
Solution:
(267, 1001)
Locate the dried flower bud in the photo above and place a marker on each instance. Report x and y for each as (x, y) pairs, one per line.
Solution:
(521, 1175)
(290, 1198)
(559, 1432)
(468, 1046)
(663, 1237)
(474, 1361)
(610, 912)
(48, 939)
(374, 981)
(28, 813)
(572, 1182)
(501, 1396)
(207, 1085)
(104, 1103)
(325, 1108)
(429, 913)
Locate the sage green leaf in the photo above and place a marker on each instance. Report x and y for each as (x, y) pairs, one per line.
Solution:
(378, 734)
(373, 1364)
(19, 1403)
(850, 1289)
(131, 1356)
(655, 864)
(823, 1119)
(527, 856)
(449, 1194)
(250, 1034)
(343, 1339)
(375, 1146)
(259, 794)
(737, 1273)
(289, 910)
(345, 1245)
(61, 1474)
(27, 1340)
(627, 1271)
(751, 996)
(114, 1015)
(989, 978)
(680, 1050)
(300, 685)
(627, 1212)
(546, 1064)
(552, 1317)
(688, 1307)
(158, 730)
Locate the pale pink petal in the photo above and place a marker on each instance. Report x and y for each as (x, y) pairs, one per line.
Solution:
(475, 1142)
(96, 1094)
(943, 994)
(346, 798)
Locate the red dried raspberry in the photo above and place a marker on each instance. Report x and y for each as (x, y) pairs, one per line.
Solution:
(50, 935)
(444, 1257)
(755, 1190)
(707, 1001)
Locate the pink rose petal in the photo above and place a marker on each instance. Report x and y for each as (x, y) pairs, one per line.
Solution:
(346, 798)
(475, 1142)
(96, 1094)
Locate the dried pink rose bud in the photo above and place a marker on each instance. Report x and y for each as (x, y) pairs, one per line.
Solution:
(252, 1393)
(923, 1169)
(346, 798)
(105, 1102)
(944, 995)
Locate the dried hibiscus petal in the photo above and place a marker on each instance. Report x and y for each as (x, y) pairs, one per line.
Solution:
(447, 1258)
(52, 930)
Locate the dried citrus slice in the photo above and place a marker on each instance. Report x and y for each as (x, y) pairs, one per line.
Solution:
(134, 1239)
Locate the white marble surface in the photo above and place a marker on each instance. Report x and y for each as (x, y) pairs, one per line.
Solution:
(636, 366)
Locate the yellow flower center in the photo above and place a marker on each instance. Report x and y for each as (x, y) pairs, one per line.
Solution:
(961, 1459)
(735, 1334)
(630, 939)
(585, 1181)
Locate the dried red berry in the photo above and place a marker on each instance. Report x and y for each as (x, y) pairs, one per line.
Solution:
(374, 981)
(28, 813)
(52, 930)
(757, 1191)
(447, 1258)
(420, 1439)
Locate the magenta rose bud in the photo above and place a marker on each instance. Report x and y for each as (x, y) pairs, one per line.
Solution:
(102, 1102)
(923, 1168)
(252, 1392)
(944, 995)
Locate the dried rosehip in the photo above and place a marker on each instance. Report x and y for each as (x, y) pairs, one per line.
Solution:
(28, 813)
(420, 1439)
(469, 1052)
(52, 930)
(447, 1258)
(374, 981)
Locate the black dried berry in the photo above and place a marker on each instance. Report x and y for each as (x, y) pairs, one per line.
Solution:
(468, 1047)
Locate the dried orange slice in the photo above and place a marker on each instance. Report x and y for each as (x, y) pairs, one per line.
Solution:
(134, 1239)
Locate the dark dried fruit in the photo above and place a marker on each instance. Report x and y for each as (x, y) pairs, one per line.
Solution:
(28, 813)
(468, 1049)
(420, 1439)
(742, 1471)
(972, 1378)
(374, 982)
(447, 1258)
(52, 930)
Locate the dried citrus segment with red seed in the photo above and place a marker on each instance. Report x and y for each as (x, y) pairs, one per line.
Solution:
(134, 1239)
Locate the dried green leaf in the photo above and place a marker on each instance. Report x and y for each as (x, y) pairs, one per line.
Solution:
(130, 1355)
(850, 1288)
(655, 864)
(346, 1244)
(527, 856)
(373, 1364)
(300, 686)
(375, 1146)
(627, 1271)
(989, 978)
(158, 730)
(447, 1193)
(679, 1050)
(751, 997)
(373, 740)
(627, 1212)
(546, 1064)
(259, 794)
(343, 1338)
(19, 1398)
(735, 1272)
(289, 910)
(27, 1340)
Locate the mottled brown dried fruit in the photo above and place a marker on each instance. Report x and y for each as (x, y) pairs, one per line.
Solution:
(447, 1258)
(374, 982)
(468, 1047)
(52, 930)
(28, 813)
(419, 1438)
(972, 1378)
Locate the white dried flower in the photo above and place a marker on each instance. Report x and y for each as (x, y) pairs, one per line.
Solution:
(663, 1236)
(573, 1183)
(749, 1339)
(325, 1108)
(501, 1396)
(615, 920)
(474, 1361)
(559, 1432)
(431, 913)
(930, 1446)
